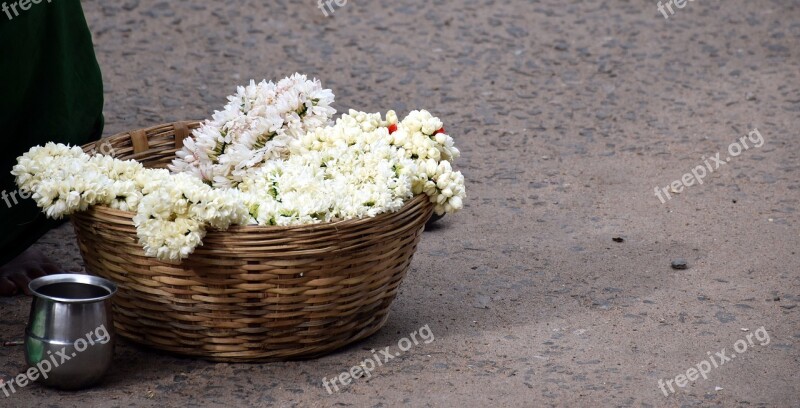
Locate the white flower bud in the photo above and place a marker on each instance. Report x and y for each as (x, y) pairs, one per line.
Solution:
(391, 117)
(413, 125)
(447, 192)
(430, 188)
(430, 167)
(448, 209)
(442, 183)
(456, 203)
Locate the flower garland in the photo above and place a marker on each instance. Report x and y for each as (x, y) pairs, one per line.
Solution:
(172, 211)
(361, 166)
(255, 125)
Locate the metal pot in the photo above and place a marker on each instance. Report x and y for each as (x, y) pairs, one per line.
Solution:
(69, 338)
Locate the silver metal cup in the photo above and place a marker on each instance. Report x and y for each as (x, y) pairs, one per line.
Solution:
(69, 339)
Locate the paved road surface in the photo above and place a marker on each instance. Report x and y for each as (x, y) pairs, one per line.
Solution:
(569, 115)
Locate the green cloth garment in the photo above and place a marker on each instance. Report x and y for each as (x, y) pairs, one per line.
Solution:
(51, 90)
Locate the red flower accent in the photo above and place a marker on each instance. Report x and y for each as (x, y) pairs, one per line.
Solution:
(392, 129)
(439, 131)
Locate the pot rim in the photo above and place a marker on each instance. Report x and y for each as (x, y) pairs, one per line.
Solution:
(96, 281)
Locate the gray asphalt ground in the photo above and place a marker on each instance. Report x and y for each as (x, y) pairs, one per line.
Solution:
(569, 115)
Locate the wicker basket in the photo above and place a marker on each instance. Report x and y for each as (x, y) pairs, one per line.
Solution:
(250, 293)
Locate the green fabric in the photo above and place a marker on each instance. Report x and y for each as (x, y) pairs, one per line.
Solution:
(50, 90)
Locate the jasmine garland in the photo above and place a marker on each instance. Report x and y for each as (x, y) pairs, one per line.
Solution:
(256, 125)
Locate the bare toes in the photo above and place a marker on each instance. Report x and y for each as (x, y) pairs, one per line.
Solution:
(33, 273)
(51, 268)
(21, 281)
(7, 288)
(28, 265)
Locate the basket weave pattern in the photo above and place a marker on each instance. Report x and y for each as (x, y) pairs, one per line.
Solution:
(250, 293)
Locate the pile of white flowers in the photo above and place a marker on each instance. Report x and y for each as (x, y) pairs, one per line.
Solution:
(256, 125)
(361, 166)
